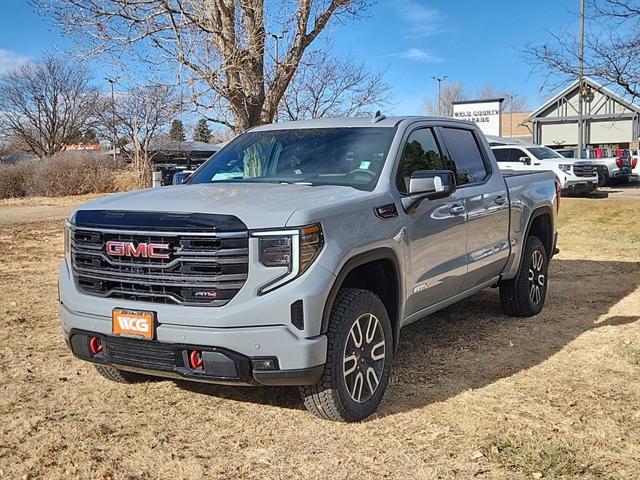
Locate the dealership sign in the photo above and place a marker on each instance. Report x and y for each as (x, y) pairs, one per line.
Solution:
(486, 113)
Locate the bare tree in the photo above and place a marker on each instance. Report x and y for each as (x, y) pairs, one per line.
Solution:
(520, 102)
(44, 104)
(142, 115)
(611, 52)
(223, 45)
(333, 87)
(451, 92)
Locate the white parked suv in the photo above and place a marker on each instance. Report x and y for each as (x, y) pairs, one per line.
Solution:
(575, 176)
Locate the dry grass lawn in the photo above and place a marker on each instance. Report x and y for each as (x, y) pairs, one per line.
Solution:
(474, 394)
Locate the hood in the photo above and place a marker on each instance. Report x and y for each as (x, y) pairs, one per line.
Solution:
(258, 205)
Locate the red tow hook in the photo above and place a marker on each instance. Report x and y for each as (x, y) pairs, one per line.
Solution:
(95, 345)
(195, 359)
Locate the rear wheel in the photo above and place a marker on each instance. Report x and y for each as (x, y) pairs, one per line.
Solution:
(121, 376)
(359, 350)
(524, 296)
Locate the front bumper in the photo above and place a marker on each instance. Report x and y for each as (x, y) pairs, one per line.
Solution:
(220, 365)
(266, 332)
(624, 172)
(580, 184)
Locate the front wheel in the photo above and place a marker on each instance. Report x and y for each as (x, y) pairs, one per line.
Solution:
(603, 177)
(359, 351)
(524, 296)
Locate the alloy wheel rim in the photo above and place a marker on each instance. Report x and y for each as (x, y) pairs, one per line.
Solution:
(536, 277)
(364, 357)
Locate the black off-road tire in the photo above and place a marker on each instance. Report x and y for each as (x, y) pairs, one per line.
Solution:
(330, 399)
(516, 294)
(121, 376)
(603, 177)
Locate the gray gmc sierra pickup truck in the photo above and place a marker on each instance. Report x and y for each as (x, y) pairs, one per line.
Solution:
(297, 253)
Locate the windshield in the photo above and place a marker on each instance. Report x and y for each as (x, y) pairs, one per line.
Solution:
(545, 153)
(321, 156)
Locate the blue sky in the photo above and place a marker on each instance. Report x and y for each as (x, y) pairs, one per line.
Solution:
(473, 42)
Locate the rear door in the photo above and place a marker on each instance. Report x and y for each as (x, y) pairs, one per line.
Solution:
(485, 198)
(435, 229)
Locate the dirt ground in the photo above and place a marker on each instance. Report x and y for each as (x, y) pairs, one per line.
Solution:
(25, 210)
(474, 394)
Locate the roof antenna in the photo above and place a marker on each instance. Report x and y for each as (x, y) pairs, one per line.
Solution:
(378, 117)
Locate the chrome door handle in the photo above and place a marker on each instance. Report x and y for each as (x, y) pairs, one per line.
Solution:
(500, 200)
(457, 209)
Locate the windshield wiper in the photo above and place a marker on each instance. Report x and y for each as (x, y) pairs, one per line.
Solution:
(289, 182)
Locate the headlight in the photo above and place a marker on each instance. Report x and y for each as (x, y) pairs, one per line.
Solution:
(67, 232)
(565, 167)
(294, 250)
(311, 242)
(275, 251)
(67, 235)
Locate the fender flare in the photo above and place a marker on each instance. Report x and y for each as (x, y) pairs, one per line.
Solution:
(381, 253)
(538, 212)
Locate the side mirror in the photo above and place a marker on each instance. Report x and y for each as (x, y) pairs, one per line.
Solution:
(525, 160)
(429, 184)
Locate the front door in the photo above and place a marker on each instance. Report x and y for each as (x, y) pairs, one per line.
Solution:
(436, 229)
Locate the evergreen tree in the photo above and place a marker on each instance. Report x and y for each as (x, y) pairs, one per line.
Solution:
(89, 137)
(177, 131)
(202, 132)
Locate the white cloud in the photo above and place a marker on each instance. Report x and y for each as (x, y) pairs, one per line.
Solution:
(420, 55)
(422, 21)
(10, 60)
(415, 54)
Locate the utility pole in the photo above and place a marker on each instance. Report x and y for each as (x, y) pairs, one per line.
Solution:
(114, 140)
(580, 82)
(511, 97)
(439, 80)
(40, 101)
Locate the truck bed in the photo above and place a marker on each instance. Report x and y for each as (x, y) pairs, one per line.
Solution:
(527, 191)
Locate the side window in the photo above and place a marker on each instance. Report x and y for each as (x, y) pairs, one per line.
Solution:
(466, 157)
(517, 154)
(502, 154)
(420, 153)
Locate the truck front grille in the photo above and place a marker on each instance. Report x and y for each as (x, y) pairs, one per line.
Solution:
(200, 268)
(584, 170)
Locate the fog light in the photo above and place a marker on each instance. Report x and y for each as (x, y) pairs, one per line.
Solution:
(267, 363)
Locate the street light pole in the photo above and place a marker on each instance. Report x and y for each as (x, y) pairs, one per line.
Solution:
(439, 80)
(277, 39)
(511, 97)
(580, 82)
(112, 81)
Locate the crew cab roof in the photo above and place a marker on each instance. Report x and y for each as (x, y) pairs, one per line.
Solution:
(351, 122)
(511, 145)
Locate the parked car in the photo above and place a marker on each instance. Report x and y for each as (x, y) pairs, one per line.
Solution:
(609, 168)
(574, 176)
(297, 254)
(181, 176)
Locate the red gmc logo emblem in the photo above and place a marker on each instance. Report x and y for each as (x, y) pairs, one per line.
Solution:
(142, 250)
